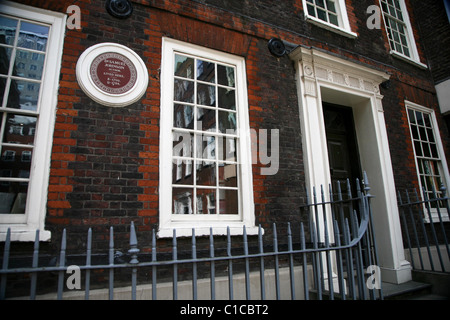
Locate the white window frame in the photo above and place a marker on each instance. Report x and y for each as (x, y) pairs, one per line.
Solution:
(23, 226)
(184, 224)
(344, 27)
(443, 163)
(415, 58)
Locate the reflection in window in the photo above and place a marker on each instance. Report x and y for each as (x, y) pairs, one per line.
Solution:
(23, 46)
(426, 151)
(205, 137)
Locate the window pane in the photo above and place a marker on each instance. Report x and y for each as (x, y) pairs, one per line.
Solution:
(229, 203)
(23, 95)
(206, 147)
(311, 10)
(183, 117)
(322, 15)
(184, 67)
(334, 19)
(206, 201)
(5, 58)
(206, 71)
(29, 64)
(2, 90)
(331, 6)
(7, 30)
(206, 119)
(182, 172)
(227, 99)
(33, 36)
(15, 162)
(228, 175)
(206, 95)
(184, 91)
(225, 76)
(13, 197)
(182, 144)
(206, 173)
(227, 121)
(182, 201)
(20, 129)
(228, 149)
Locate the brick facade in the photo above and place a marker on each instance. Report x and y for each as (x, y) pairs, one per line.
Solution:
(105, 161)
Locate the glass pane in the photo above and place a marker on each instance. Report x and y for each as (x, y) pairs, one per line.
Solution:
(182, 172)
(322, 15)
(184, 91)
(15, 162)
(227, 149)
(13, 197)
(434, 151)
(430, 135)
(206, 147)
(182, 200)
(2, 90)
(206, 201)
(33, 36)
(206, 119)
(415, 132)
(20, 129)
(206, 173)
(331, 6)
(183, 117)
(320, 3)
(311, 10)
(423, 134)
(412, 118)
(227, 121)
(206, 71)
(184, 67)
(227, 99)
(419, 118)
(229, 202)
(5, 58)
(23, 95)
(426, 150)
(334, 19)
(7, 30)
(29, 64)
(206, 95)
(228, 175)
(225, 75)
(418, 149)
(182, 144)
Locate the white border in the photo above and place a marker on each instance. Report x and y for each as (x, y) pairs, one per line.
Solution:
(108, 99)
(23, 228)
(202, 224)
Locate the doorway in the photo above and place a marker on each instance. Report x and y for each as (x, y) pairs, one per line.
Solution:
(343, 155)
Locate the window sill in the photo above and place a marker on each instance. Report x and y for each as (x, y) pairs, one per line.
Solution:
(23, 233)
(435, 216)
(184, 230)
(331, 27)
(407, 59)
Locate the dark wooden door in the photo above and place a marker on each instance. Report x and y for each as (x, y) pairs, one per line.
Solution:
(342, 146)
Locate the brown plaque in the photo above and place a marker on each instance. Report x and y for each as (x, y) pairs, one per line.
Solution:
(113, 73)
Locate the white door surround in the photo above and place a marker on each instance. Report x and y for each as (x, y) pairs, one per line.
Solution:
(323, 77)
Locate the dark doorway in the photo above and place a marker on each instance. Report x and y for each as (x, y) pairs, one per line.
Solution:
(342, 146)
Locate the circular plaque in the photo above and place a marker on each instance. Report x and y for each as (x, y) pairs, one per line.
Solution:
(112, 74)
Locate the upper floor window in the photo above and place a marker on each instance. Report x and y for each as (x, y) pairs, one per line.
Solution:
(205, 151)
(399, 31)
(30, 38)
(330, 14)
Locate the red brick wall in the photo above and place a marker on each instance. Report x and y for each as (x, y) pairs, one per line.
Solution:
(105, 161)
